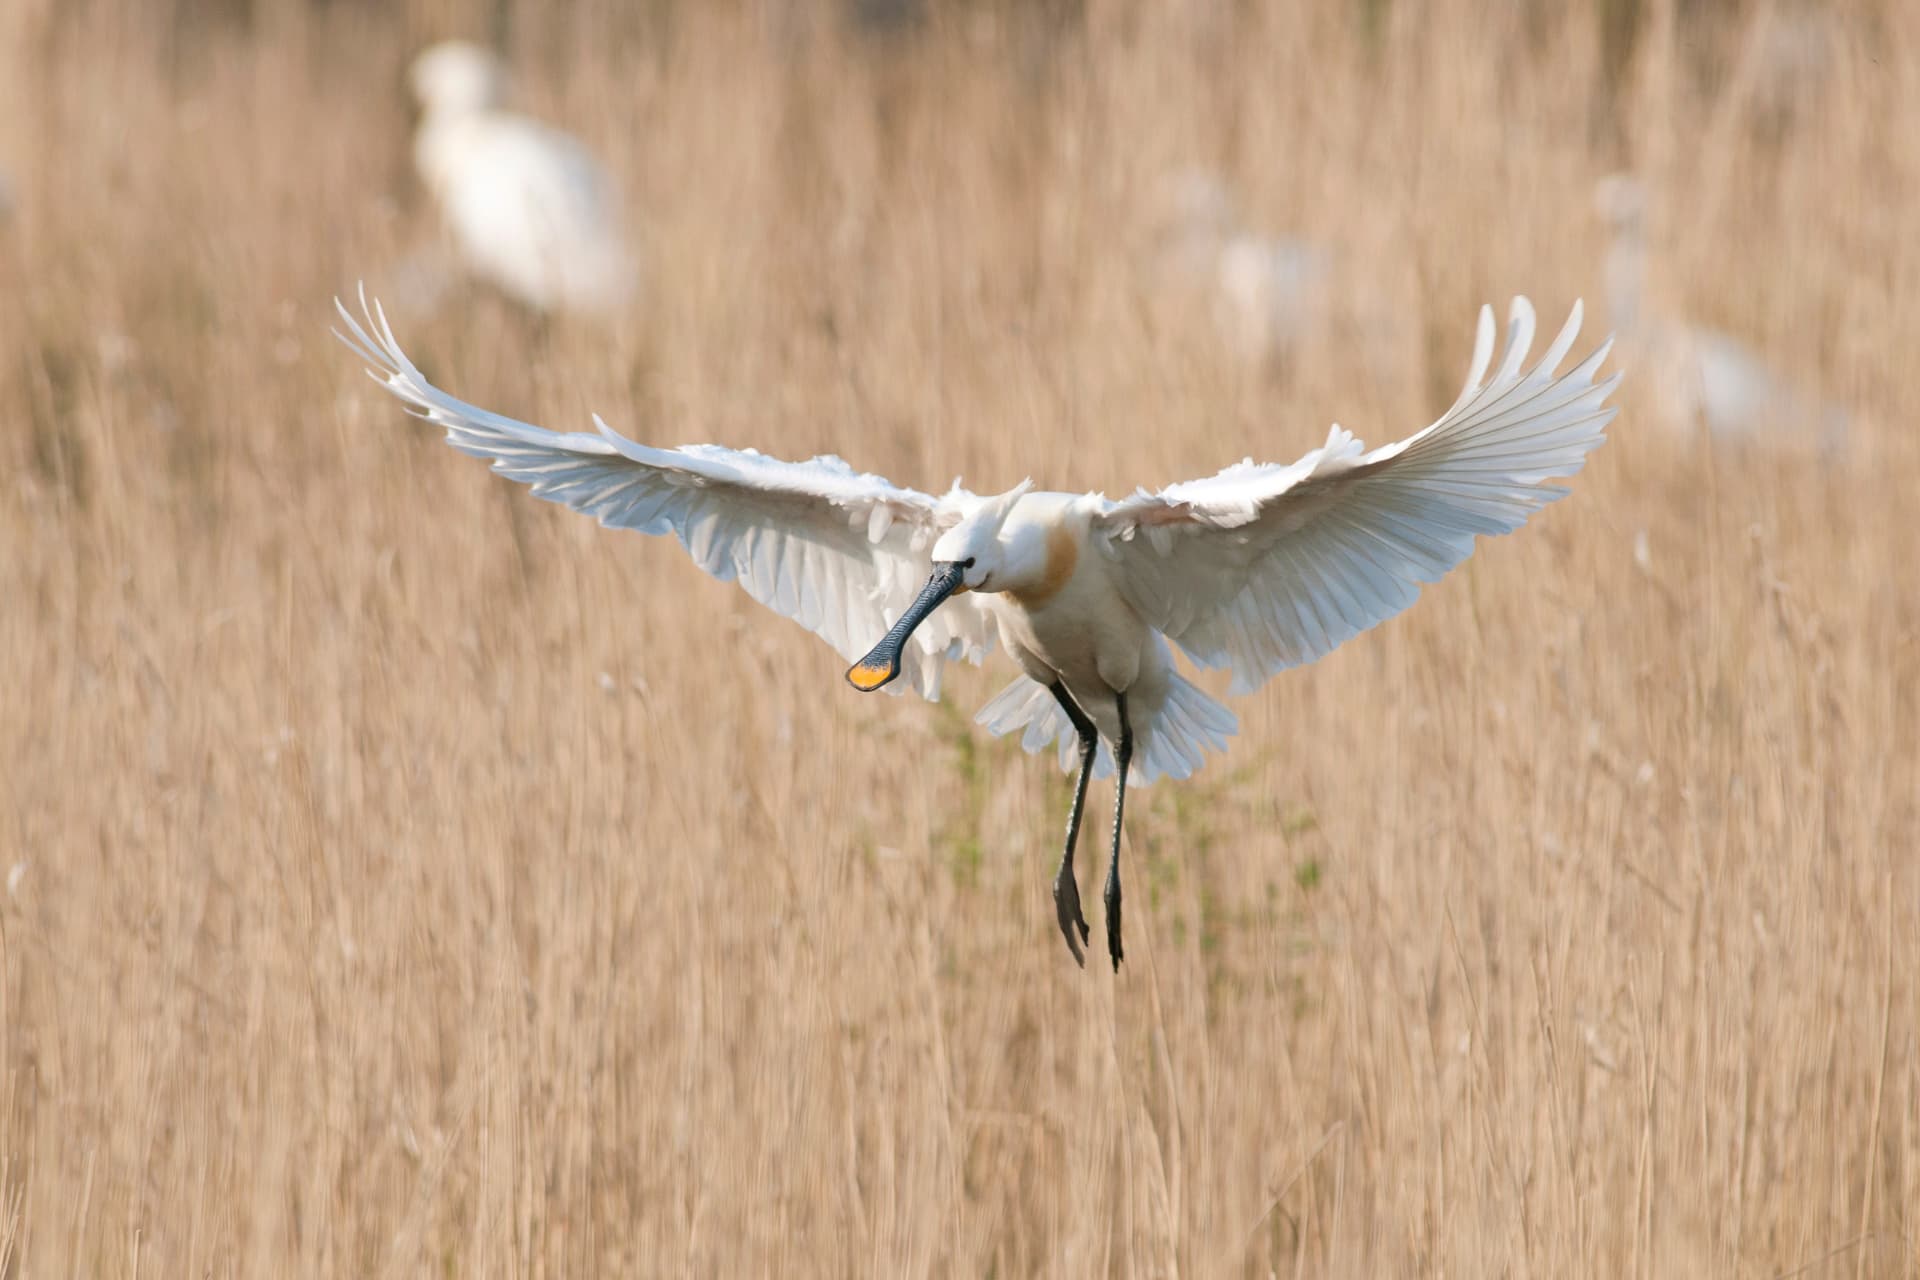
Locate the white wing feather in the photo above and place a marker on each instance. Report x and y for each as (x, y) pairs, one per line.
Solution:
(840, 552)
(1264, 567)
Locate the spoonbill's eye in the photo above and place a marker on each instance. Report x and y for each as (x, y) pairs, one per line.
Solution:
(967, 563)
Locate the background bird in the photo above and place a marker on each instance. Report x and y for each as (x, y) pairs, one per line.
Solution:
(1265, 294)
(417, 875)
(528, 207)
(1702, 376)
(1256, 569)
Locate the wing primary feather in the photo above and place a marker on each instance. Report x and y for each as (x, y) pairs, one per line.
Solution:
(833, 548)
(1263, 566)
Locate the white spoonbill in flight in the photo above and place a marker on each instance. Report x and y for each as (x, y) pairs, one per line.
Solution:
(1259, 568)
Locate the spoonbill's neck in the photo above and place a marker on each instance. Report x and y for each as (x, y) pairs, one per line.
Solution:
(1626, 274)
(1040, 547)
(446, 136)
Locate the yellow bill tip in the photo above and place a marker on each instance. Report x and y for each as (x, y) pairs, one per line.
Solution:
(868, 677)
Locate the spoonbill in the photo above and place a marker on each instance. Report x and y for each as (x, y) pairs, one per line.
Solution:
(527, 206)
(1707, 378)
(1267, 293)
(1256, 569)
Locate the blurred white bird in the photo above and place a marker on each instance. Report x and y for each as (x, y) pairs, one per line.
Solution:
(1267, 294)
(527, 206)
(1260, 568)
(1704, 377)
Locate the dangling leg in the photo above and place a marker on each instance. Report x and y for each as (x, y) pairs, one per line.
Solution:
(1122, 758)
(1066, 890)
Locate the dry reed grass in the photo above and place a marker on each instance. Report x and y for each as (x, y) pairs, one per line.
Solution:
(411, 878)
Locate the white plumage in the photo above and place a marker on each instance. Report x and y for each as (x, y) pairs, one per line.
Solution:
(1253, 570)
(528, 208)
(1263, 566)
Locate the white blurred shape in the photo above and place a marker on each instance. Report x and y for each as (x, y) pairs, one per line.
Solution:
(1267, 293)
(1704, 377)
(528, 207)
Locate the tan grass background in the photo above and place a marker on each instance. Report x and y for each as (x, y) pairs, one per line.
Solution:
(409, 878)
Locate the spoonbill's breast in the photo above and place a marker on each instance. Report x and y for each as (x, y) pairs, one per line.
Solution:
(530, 210)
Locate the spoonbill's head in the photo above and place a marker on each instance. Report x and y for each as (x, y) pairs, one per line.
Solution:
(1194, 204)
(456, 77)
(965, 558)
(1621, 200)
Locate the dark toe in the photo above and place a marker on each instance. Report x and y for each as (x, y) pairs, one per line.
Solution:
(1066, 905)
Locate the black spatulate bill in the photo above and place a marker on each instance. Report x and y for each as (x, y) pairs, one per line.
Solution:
(882, 664)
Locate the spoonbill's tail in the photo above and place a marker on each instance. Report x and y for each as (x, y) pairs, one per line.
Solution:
(1173, 732)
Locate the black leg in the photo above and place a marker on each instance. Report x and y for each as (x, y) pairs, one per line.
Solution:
(1066, 890)
(1122, 758)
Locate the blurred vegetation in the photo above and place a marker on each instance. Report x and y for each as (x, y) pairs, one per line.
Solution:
(402, 875)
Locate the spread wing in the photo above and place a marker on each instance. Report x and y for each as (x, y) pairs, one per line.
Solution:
(839, 552)
(1264, 567)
